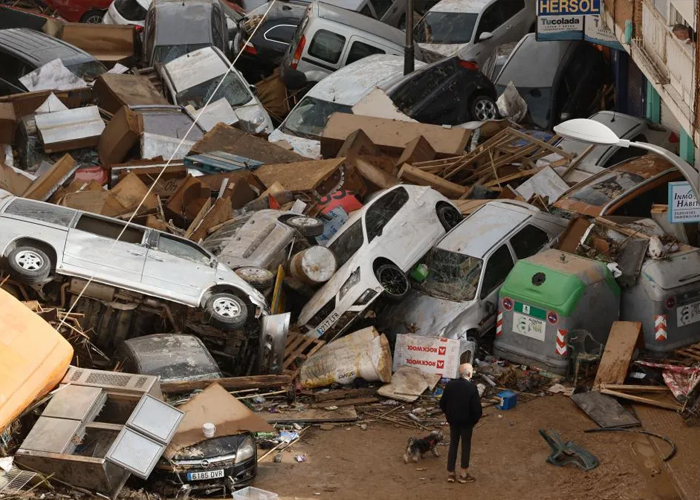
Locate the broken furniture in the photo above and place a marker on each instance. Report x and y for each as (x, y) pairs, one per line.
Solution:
(585, 353)
(99, 428)
(568, 453)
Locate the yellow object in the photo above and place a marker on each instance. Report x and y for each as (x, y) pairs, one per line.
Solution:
(34, 357)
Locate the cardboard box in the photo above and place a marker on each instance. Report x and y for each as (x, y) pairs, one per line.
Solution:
(108, 43)
(8, 123)
(121, 135)
(114, 91)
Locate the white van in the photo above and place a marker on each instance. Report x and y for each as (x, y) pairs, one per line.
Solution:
(391, 12)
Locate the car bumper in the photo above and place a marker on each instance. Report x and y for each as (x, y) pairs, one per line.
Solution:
(340, 318)
(234, 476)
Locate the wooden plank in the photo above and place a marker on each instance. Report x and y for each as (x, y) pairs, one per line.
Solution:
(346, 402)
(512, 177)
(417, 176)
(43, 187)
(346, 414)
(298, 352)
(624, 336)
(299, 176)
(636, 388)
(292, 342)
(375, 175)
(544, 145)
(640, 399)
(319, 344)
(230, 383)
(199, 218)
(417, 150)
(218, 214)
(344, 394)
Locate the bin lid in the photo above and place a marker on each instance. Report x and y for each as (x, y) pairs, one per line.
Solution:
(555, 280)
(676, 270)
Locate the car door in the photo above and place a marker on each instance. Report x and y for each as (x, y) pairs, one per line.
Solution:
(390, 236)
(107, 249)
(497, 19)
(177, 268)
(528, 241)
(497, 267)
(323, 51)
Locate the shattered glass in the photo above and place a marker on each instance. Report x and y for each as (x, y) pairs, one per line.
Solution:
(349, 242)
(452, 276)
(383, 210)
(233, 90)
(309, 117)
(166, 53)
(607, 188)
(41, 211)
(445, 27)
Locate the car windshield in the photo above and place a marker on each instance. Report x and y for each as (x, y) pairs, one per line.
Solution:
(607, 188)
(309, 117)
(452, 276)
(233, 90)
(88, 70)
(166, 53)
(538, 102)
(445, 27)
(349, 242)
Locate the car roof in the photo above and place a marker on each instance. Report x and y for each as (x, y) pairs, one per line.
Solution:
(623, 125)
(534, 64)
(485, 228)
(183, 23)
(39, 48)
(357, 21)
(351, 83)
(460, 6)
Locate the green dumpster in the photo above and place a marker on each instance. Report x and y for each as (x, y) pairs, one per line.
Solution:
(544, 298)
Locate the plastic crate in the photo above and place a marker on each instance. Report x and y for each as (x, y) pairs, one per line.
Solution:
(251, 493)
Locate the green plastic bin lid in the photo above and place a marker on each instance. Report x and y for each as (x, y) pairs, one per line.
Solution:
(555, 280)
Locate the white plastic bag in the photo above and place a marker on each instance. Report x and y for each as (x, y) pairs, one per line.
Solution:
(511, 105)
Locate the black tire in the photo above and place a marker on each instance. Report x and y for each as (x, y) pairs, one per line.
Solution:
(448, 216)
(393, 281)
(307, 226)
(226, 311)
(257, 277)
(93, 17)
(482, 108)
(29, 265)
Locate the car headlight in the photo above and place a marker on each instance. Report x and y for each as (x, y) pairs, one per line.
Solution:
(245, 450)
(352, 280)
(368, 295)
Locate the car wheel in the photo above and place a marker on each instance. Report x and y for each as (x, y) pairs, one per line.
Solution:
(393, 281)
(93, 17)
(307, 226)
(257, 277)
(29, 264)
(483, 108)
(226, 311)
(448, 216)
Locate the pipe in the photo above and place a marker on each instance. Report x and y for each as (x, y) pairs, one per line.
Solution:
(647, 433)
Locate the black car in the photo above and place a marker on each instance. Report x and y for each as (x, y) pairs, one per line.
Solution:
(23, 50)
(448, 92)
(265, 50)
(212, 466)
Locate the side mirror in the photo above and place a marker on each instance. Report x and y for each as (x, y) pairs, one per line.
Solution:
(486, 35)
(490, 308)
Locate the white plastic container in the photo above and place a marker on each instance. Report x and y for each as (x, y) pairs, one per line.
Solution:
(251, 493)
(209, 430)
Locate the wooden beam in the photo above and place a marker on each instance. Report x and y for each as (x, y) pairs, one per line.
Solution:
(346, 402)
(623, 338)
(512, 177)
(346, 414)
(417, 176)
(344, 393)
(640, 399)
(230, 383)
(375, 175)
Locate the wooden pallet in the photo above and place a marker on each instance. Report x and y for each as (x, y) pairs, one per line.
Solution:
(692, 352)
(299, 348)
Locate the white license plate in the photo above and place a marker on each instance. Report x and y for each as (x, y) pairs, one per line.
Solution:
(529, 326)
(688, 314)
(329, 322)
(201, 476)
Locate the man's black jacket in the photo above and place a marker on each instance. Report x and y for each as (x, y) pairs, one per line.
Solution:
(461, 403)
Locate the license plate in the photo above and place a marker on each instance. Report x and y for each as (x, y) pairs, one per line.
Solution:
(688, 314)
(529, 326)
(329, 322)
(208, 474)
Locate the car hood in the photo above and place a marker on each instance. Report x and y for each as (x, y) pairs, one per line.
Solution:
(421, 314)
(444, 49)
(306, 147)
(211, 448)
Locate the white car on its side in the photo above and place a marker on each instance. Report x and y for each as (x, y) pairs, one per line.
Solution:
(473, 29)
(125, 12)
(374, 250)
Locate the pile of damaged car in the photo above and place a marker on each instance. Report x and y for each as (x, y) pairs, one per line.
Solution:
(260, 249)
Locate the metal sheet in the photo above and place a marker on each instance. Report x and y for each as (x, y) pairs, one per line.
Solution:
(52, 76)
(275, 329)
(154, 146)
(194, 68)
(135, 453)
(76, 403)
(52, 435)
(545, 183)
(155, 419)
(604, 410)
(70, 125)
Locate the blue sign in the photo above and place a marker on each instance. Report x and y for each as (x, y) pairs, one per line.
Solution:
(682, 205)
(567, 7)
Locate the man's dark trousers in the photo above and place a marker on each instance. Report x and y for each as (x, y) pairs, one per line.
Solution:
(457, 434)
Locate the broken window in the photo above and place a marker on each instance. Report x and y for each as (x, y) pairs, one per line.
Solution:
(110, 229)
(41, 211)
(452, 276)
(327, 46)
(383, 210)
(497, 269)
(232, 89)
(309, 117)
(607, 188)
(528, 241)
(182, 249)
(349, 242)
(445, 28)
(413, 90)
(165, 53)
(360, 50)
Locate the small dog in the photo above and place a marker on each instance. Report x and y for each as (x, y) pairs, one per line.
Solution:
(418, 447)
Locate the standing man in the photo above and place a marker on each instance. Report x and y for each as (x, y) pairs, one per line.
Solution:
(461, 405)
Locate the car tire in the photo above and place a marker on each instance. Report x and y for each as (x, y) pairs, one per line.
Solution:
(307, 226)
(448, 216)
(483, 108)
(226, 311)
(393, 280)
(93, 17)
(29, 265)
(257, 277)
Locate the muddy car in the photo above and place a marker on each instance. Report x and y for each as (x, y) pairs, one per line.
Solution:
(40, 241)
(458, 297)
(374, 249)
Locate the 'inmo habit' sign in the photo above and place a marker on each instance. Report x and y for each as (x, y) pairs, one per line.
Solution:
(567, 7)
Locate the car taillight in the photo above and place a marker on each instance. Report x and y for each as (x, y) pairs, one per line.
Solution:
(250, 49)
(673, 138)
(670, 303)
(469, 65)
(298, 52)
(138, 28)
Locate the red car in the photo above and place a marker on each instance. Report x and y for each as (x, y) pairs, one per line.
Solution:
(80, 11)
